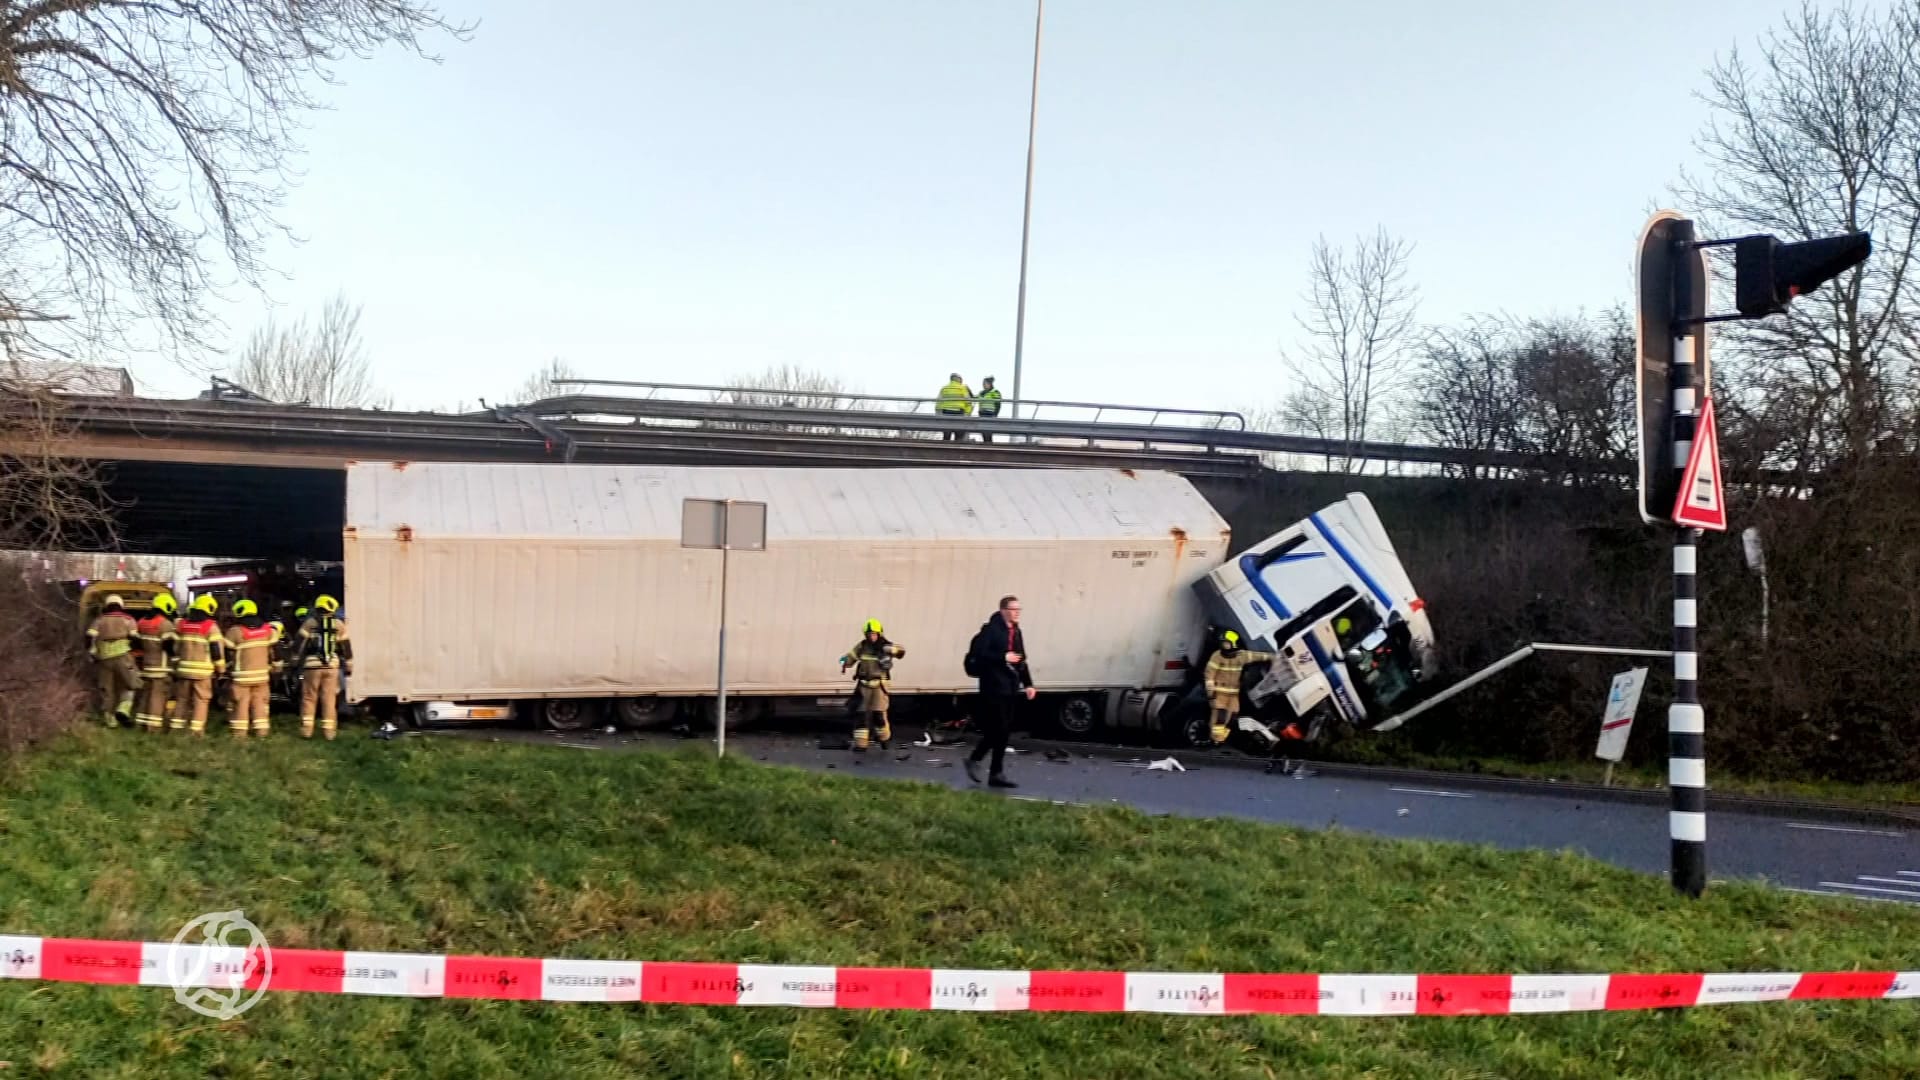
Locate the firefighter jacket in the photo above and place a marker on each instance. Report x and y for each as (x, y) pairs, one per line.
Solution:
(156, 645)
(955, 399)
(872, 661)
(252, 650)
(112, 635)
(1223, 671)
(323, 642)
(199, 652)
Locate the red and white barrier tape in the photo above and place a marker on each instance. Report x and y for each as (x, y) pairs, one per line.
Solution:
(419, 975)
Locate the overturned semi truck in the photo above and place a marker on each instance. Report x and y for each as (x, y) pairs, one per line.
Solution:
(564, 592)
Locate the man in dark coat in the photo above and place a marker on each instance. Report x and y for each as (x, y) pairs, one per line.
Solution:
(1000, 659)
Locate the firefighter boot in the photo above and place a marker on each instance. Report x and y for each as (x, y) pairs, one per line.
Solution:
(860, 740)
(1217, 728)
(885, 732)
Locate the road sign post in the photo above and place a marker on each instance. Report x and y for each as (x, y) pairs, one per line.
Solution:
(724, 524)
(1674, 367)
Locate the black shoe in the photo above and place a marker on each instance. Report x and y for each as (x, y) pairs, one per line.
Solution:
(973, 770)
(999, 781)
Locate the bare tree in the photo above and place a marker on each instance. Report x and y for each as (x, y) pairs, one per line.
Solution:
(1359, 326)
(1819, 135)
(544, 383)
(320, 362)
(1468, 399)
(789, 384)
(132, 133)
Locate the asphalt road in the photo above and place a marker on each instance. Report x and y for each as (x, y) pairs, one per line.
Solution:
(1867, 862)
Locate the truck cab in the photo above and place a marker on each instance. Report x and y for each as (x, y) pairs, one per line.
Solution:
(1329, 598)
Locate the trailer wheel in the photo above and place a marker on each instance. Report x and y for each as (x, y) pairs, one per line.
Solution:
(567, 714)
(1192, 729)
(1077, 715)
(644, 712)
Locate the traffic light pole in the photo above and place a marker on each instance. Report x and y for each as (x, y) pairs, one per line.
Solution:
(1686, 720)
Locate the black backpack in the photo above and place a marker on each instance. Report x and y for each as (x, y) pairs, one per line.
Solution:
(971, 663)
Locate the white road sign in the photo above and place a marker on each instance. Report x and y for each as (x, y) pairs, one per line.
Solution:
(1622, 699)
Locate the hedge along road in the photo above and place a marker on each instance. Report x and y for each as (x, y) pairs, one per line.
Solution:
(1866, 861)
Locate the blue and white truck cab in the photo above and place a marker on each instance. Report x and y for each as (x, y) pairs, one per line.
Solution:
(1329, 598)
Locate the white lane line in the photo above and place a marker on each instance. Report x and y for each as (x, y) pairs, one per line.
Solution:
(1908, 882)
(1844, 829)
(1908, 873)
(1868, 888)
(1846, 896)
(1426, 791)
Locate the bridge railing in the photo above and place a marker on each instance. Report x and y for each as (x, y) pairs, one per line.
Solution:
(829, 399)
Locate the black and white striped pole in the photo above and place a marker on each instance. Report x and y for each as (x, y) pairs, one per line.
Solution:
(1686, 719)
(1673, 371)
(1679, 481)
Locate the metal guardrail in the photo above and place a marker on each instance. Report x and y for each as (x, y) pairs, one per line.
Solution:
(848, 401)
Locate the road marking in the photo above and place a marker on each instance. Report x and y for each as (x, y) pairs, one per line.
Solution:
(1908, 873)
(1911, 884)
(1846, 896)
(1426, 791)
(1844, 829)
(1868, 888)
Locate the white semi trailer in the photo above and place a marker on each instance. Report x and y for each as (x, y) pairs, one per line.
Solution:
(476, 591)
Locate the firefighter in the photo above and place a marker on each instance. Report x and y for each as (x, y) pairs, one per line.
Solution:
(1223, 682)
(199, 657)
(110, 641)
(872, 662)
(324, 652)
(157, 637)
(251, 642)
(955, 400)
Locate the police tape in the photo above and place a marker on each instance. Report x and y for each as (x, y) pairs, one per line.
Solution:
(427, 976)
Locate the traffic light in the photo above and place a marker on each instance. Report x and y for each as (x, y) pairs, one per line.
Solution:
(1768, 274)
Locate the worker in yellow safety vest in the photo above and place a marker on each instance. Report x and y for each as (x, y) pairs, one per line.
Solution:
(989, 404)
(955, 400)
(251, 643)
(110, 642)
(872, 662)
(1223, 682)
(325, 653)
(156, 664)
(199, 657)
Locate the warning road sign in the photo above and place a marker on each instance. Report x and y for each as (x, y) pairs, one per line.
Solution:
(1702, 503)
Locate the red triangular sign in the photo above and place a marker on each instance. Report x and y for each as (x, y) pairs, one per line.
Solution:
(1702, 503)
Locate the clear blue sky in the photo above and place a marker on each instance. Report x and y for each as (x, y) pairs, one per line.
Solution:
(691, 191)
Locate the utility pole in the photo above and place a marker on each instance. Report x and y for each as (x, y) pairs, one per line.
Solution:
(1026, 211)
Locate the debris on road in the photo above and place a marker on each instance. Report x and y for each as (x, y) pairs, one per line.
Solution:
(1057, 754)
(1165, 764)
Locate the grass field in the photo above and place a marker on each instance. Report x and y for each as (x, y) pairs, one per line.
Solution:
(443, 846)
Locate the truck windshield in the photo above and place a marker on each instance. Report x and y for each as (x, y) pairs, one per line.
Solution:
(1382, 667)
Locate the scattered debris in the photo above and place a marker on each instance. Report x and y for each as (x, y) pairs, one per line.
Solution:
(904, 755)
(1403, 812)
(611, 730)
(1165, 764)
(1057, 754)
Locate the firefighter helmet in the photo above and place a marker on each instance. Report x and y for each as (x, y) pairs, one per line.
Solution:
(244, 608)
(205, 604)
(165, 604)
(873, 626)
(114, 601)
(327, 604)
(1231, 639)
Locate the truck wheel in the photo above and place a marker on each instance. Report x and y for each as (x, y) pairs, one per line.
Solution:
(644, 712)
(1077, 716)
(1194, 729)
(567, 714)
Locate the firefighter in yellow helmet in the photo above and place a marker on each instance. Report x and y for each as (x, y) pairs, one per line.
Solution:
(199, 656)
(871, 659)
(325, 653)
(156, 633)
(1223, 682)
(110, 642)
(251, 642)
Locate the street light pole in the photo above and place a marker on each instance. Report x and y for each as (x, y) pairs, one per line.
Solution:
(1026, 211)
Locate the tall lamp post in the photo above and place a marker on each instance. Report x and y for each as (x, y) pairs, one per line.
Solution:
(1026, 210)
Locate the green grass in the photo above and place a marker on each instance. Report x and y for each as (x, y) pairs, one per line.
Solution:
(445, 846)
(1650, 778)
